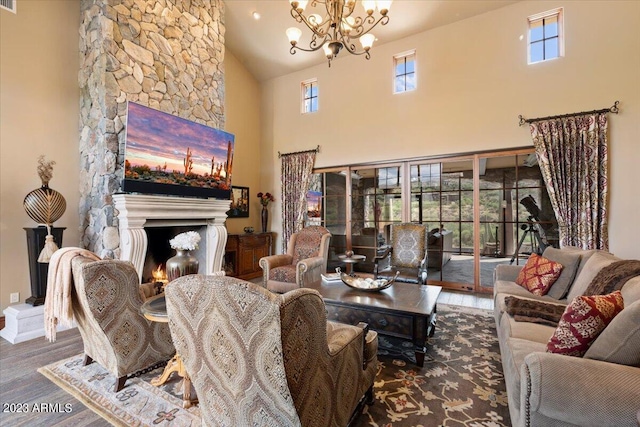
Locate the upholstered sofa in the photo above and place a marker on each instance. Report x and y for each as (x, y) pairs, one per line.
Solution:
(602, 388)
(440, 244)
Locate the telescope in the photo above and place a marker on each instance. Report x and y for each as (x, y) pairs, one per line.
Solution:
(530, 204)
(536, 234)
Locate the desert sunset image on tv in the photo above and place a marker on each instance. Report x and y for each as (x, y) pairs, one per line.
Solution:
(167, 154)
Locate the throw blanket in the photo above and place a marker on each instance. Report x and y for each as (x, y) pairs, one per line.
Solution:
(57, 304)
(527, 310)
(613, 277)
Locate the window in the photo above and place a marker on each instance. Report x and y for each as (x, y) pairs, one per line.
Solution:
(9, 5)
(310, 96)
(376, 197)
(545, 36)
(404, 72)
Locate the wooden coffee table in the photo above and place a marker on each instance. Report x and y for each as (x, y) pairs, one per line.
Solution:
(404, 310)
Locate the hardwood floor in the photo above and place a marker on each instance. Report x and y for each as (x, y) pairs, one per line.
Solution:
(23, 387)
(466, 299)
(20, 383)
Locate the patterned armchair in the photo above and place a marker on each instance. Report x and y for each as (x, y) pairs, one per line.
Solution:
(106, 301)
(304, 262)
(407, 252)
(259, 358)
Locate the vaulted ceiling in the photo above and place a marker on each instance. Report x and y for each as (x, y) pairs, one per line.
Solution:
(262, 46)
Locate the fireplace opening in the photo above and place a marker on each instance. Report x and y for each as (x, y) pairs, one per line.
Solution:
(159, 250)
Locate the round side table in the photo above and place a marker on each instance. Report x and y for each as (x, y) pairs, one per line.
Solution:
(155, 310)
(350, 261)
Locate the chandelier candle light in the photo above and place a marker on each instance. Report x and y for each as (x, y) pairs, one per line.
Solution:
(338, 28)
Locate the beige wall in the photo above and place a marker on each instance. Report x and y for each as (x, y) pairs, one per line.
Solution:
(242, 107)
(38, 115)
(473, 82)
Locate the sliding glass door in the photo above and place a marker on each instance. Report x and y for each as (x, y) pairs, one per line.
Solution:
(516, 217)
(329, 190)
(481, 210)
(441, 196)
(376, 202)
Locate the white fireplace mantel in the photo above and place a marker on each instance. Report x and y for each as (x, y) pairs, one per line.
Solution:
(137, 211)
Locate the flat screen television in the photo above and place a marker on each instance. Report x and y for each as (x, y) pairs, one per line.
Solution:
(166, 154)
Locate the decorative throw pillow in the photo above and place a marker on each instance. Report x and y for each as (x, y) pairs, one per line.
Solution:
(582, 322)
(538, 274)
(534, 311)
(620, 341)
(570, 261)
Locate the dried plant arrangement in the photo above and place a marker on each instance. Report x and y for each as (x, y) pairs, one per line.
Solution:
(45, 170)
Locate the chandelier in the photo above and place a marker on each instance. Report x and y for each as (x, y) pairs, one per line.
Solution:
(338, 28)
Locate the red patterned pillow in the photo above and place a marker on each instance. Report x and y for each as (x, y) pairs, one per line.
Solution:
(538, 274)
(582, 321)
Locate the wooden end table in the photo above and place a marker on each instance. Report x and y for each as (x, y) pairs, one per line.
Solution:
(404, 310)
(155, 309)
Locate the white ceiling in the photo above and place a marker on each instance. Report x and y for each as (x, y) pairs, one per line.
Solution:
(262, 46)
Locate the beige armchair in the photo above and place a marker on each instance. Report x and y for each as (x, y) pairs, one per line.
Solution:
(106, 301)
(408, 254)
(259, 358)
(304, 262)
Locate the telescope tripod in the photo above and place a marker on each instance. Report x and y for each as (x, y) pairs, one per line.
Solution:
(537, 245)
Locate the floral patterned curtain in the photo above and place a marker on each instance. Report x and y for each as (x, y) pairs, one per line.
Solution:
(297, 169)
(572, 154)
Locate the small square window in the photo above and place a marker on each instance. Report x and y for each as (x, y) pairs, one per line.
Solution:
(545, 36)
(404, 72)
(310, 96)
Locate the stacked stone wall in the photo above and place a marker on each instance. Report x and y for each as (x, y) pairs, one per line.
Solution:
(164, 54)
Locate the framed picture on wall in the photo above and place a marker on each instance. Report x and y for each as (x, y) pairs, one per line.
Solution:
(314, 207)
(239, 203)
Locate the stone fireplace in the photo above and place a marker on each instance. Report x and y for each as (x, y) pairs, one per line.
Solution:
(164, 54)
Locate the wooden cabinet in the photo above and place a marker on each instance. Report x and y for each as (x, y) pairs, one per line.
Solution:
(243, 253)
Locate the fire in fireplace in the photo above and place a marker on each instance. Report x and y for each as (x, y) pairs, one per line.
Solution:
(159, 275)
(159, 251)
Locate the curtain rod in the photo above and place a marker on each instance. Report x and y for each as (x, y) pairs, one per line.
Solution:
(315, 150)
(613, 109)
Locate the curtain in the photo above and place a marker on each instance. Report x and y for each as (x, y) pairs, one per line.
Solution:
(572, 154)
(297, 169)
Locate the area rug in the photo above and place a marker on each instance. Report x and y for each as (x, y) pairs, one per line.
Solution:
(137, 404)
(461, 383)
